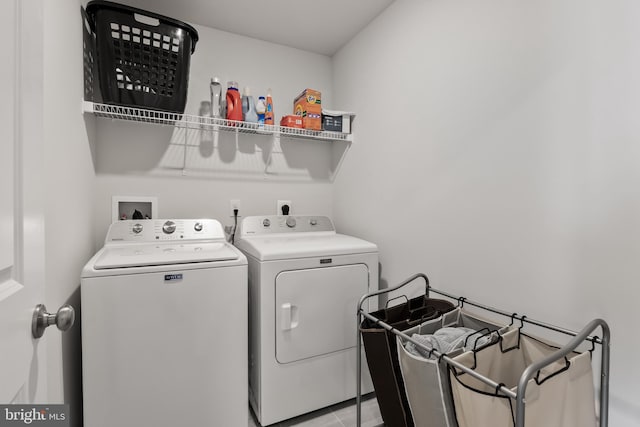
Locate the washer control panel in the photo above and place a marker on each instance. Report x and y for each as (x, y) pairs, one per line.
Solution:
(270, 224)
(152, 230)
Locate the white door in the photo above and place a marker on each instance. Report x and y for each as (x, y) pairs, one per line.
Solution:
(21, 213)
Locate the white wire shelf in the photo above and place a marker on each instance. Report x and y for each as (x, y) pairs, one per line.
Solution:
(207, 123)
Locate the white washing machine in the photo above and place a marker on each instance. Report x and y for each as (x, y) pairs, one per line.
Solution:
(164, 327)
(305, 282)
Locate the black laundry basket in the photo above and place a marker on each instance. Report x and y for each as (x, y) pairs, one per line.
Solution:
(142, 57)
(382, 354)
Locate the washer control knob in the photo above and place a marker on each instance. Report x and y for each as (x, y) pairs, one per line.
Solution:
(169, 227)
(291, 222)
(266, 222)
(197, 226)
(137, 228)
(313, 221)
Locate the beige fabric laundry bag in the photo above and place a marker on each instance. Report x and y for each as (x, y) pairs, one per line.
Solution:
(561, 395)
(426, 379)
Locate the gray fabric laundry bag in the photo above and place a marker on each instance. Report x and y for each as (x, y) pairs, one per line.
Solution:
(426, 379)
(561, 395)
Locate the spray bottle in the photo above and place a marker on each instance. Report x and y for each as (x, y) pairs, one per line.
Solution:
(216, 98)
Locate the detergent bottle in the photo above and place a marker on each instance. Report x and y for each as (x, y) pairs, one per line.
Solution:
(261, 108)
(234, 102)
(268, 115)
(249, 107)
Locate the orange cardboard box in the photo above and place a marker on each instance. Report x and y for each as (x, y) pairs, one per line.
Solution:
(308, 105)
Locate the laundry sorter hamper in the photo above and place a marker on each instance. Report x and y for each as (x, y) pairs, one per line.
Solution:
(560, 395)
(142, 58)
(426, 377)
(382, 356)
(555, 389)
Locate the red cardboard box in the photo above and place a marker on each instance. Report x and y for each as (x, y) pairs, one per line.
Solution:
(291, 121)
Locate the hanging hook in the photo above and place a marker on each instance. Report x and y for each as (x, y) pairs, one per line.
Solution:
(461, 301)
(522, 321)
(430, 353)
(593, 344)
(513, 316)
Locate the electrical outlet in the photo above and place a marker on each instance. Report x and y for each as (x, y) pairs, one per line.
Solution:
(234, 204)
(281, 204)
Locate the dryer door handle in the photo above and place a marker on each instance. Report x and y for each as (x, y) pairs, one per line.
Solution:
(289, 316)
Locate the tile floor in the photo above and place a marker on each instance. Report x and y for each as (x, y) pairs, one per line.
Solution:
(340, 415)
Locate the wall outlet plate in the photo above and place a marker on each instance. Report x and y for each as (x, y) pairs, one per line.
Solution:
(234, 204)
(282, 203)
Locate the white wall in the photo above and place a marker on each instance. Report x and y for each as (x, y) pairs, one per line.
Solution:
(497, 151)
(68, 181)
(131, 159)
(78, 206)
(494, 151)
(135, 159)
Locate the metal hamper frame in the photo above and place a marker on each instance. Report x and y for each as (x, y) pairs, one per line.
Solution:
(529, 372)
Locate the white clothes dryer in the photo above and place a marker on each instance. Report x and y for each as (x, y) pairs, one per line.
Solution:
(164, 327)
(305, 282)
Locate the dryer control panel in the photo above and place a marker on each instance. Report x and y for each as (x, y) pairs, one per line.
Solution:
(271, 224)
(154, 230)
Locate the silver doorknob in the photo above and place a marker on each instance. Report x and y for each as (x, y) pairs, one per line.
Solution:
(63, 319)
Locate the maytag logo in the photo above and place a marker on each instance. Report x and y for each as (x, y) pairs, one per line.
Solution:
(172, 277)
(38, 415)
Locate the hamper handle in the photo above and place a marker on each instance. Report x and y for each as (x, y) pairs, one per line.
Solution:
(429, 316)
(566, 366)
(514, 346)
(394, 298)
(481, 334)
(95, 5)
(144, 19)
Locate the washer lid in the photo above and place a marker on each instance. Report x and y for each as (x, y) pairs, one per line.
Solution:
(132, 255)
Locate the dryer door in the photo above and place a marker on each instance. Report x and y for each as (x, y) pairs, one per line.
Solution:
(315, 310)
